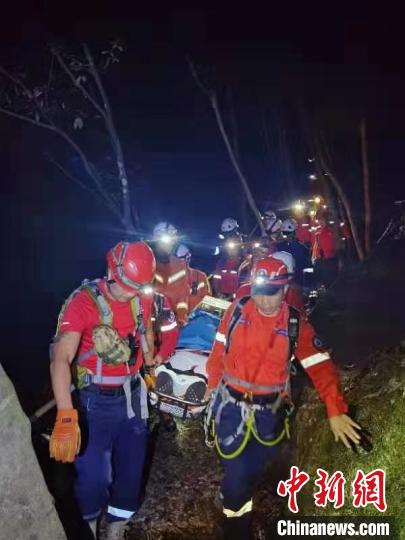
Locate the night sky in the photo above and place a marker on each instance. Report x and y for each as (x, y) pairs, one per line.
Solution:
(329, 64)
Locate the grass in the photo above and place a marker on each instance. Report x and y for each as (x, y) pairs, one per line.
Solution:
(377, 397)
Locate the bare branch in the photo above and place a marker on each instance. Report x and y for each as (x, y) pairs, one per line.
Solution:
(336, 184)
(16, 81)
(214, 103)
(197, 79)
(235, 163)
(366, 186)
(77, 83)
(69, 175)
(50, 75)
(87, 165)
(28, 93)
(26, 119)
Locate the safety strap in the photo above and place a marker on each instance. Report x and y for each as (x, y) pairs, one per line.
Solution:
(292, 325)
(158, 301)
(104, 310)
(158, 306)
(252, 387)
(190, 372)
(137, 314)
(236, 315)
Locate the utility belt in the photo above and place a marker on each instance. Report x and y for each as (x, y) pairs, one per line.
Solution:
(113, 391)
(256, 399)
(121, 385)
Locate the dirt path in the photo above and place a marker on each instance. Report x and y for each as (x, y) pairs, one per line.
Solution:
(182, 487)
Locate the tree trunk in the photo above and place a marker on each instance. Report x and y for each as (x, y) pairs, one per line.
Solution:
(235, 163)
(346, 204)
(127, 215)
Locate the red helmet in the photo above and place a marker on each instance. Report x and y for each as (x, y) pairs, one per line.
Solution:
(131, 265)
(268, 276)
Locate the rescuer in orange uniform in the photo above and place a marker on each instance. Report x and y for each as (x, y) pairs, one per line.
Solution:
(198, 281)
(293, 295)
(249, 381)
(171, 278)
(225, 278)
(325, 252)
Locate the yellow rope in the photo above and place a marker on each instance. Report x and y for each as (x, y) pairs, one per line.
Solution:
(250, 428)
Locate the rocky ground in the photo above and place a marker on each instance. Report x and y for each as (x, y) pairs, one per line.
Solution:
(182, 488)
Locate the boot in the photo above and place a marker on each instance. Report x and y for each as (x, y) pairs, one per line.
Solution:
(239, 528)
(116, 530)
(168, 423)
(93, 527)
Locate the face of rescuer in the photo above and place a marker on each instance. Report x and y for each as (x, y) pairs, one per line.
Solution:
(119, 294)
(269, 304)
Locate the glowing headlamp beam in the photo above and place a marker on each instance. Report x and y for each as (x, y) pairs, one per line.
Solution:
(166, 239)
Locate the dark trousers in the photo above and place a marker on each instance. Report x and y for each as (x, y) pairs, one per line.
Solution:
(110, 467)
(242, 473)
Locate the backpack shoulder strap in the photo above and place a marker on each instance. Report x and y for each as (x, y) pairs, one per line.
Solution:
(158, 303)
(293, 329)
(93, 290)
(137, 314)
(233, 321)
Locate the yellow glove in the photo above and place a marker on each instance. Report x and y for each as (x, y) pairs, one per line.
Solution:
(149, 377)
(65, 439)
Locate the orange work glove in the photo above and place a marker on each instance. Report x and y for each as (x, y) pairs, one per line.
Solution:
(65, 439)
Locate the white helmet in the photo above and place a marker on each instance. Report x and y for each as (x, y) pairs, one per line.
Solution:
(289, 225)
(287, 259)
(269, 214)
(183, 252)
(270, 221)
(272, 225)
(229, 225)
(164, 231)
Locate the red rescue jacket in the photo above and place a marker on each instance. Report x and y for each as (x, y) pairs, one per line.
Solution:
(225, 279)
(199, 287)
(165, 327)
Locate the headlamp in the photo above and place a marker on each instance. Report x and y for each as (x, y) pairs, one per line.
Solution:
(299, 206)
(147, 290)
(166, 239)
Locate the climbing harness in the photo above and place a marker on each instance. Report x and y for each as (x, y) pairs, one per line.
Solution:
(221, 397)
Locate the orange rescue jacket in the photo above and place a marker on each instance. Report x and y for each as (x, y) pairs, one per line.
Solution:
(171, 279)
(259, 353)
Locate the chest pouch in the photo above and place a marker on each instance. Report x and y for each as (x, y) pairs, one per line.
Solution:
(110, 347)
